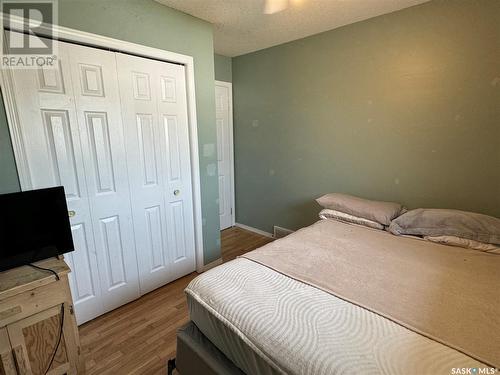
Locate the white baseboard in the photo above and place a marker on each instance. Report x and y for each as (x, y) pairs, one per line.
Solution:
(255, 230)
(210, 265)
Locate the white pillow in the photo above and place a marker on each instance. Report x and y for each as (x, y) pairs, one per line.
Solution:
(342, 216)
(464, 242)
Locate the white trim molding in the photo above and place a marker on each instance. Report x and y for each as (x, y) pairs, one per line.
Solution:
(98, 41)
(229, 86)
(255, 230)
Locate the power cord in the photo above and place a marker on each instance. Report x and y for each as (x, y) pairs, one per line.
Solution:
(45, 269)
(61, 325)
(58, 340)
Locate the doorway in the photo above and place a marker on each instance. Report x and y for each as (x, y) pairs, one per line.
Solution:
(225, 152)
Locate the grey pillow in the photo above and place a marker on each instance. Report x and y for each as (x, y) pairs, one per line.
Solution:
(381, 212)
(443, 222)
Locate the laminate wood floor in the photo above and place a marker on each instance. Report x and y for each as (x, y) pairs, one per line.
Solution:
(139, 338)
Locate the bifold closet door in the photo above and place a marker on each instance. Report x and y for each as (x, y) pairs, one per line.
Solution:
(154, 108)
(73, 136)
(98, 110)
(113, 130)
(51, 140)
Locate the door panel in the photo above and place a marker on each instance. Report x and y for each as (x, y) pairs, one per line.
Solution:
(62, 154)
(98, 112)
(98, 133)
(91, 79)
(84, 286)
(155, 238)
(224, 158)
(52, 143)
(51, 80)
(173, 146)
(153, 97)
(146, 139)
(179, 238)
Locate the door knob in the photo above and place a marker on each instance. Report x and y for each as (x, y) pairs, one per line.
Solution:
(177, 192)
(71, 213)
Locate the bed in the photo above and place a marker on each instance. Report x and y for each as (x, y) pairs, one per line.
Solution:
(342, 298)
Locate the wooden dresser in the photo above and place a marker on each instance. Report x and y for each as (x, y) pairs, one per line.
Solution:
(33, 304)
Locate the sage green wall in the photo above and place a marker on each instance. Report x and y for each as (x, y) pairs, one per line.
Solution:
(402, 107)
(8, 173)
(223, 68)
(152, 24)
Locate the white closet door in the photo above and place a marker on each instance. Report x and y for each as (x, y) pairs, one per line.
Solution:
(224, 157)
(98, 112)
(52, 145)
(153, 96)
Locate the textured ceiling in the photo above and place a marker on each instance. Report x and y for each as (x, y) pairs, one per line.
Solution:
(241, 26)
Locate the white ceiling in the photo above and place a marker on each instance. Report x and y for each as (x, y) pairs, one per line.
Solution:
(240, 26)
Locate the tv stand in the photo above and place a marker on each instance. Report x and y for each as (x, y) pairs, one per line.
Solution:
(33, 303)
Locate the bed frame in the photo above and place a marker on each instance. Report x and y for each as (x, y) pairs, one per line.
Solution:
(197, 355)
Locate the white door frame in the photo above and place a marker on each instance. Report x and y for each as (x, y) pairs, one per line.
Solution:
(93, 40)
(229, 86)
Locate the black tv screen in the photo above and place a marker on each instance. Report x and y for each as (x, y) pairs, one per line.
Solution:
(34, 225)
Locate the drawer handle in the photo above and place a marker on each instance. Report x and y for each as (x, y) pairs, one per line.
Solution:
(71, 213)
(177, 192)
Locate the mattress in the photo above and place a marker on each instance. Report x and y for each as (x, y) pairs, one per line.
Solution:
(268, 323)
(228, 341)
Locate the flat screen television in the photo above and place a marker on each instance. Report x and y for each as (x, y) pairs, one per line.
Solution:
(34, 225)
